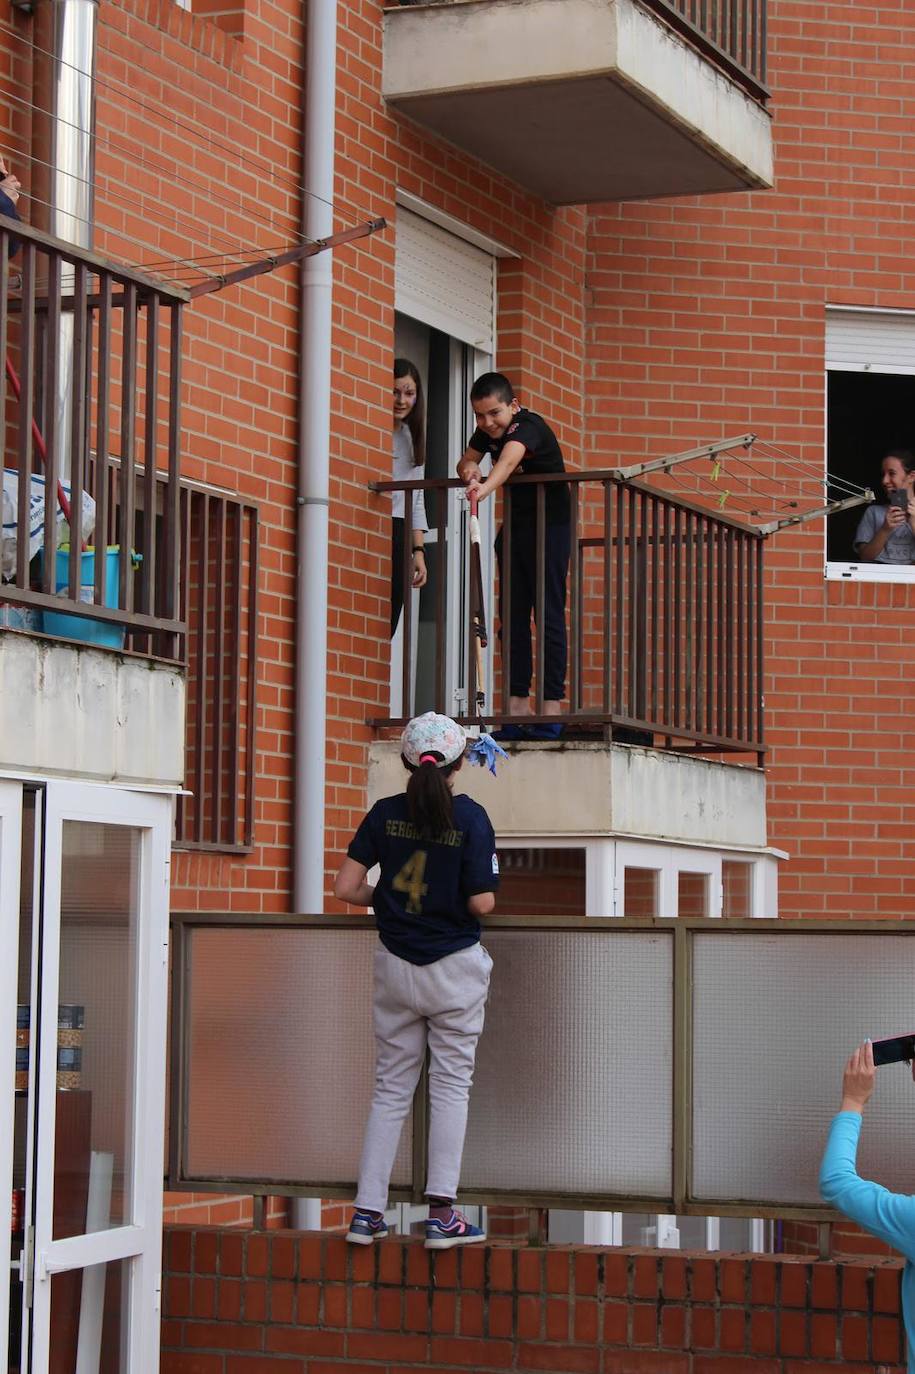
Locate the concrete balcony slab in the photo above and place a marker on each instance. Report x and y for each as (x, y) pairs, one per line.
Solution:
(577, 101)
(74, 712)
(581, 789)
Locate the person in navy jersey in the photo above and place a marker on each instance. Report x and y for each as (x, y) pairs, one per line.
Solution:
(519, 440)
(438, 875)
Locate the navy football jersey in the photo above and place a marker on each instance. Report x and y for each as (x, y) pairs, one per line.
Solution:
(421, 896)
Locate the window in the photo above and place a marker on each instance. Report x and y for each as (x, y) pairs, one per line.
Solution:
(541, 882)
(870, 409)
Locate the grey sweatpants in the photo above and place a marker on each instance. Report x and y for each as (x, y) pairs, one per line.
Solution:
(442, 1005)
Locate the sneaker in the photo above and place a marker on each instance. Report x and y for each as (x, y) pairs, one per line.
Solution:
(509, 732)
(441, 1235)
(365, 1228)
(550, 730)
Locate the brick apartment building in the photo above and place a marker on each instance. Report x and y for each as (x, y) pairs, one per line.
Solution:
(599, 206)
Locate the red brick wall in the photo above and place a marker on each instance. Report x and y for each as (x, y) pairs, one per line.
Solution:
(199, 139)
(635, 328)
(249, 1303)
(707, 319)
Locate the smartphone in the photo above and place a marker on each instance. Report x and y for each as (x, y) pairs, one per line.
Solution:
(896, 1050)
(900, 498)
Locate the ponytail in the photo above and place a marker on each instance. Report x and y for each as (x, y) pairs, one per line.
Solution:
(429, 798)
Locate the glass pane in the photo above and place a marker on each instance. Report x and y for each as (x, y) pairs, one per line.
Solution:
(735, 883)
(281, 1055)
(541, 882)
(640, 891)
(89, 1317)
(775, 1018)
(96, 1018)
(639, 1228)
(692, 894)
(572, 1089)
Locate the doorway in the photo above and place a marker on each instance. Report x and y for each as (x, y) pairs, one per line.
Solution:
(447, 368)
(84, 910)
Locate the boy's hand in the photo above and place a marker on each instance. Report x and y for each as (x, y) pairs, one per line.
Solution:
(469, 471)
(858, 1079)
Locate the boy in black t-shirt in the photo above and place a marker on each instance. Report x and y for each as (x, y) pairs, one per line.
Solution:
(520, 441)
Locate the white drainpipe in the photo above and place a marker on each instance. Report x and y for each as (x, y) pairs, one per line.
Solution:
(63, 133)
(313, 494)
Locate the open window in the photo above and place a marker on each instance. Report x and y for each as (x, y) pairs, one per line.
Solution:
(870, 410)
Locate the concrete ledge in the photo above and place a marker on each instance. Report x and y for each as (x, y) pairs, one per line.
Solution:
(79, 712)
(604, 789)
(576, 100)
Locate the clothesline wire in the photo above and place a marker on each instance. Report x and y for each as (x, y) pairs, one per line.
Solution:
(233, 252)
(730, 468)
(198, 130)
(222, 202)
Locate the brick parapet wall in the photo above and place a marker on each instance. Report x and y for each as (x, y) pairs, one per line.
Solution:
(287, 1303)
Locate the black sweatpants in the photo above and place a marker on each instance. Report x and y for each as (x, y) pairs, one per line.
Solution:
(523, 602)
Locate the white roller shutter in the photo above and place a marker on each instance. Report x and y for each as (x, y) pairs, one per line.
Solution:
(870, 340)
(445, 282)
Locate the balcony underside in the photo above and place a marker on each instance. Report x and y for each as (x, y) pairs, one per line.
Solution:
(578, 101)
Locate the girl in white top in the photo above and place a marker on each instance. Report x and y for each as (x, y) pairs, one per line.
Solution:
(409, 466)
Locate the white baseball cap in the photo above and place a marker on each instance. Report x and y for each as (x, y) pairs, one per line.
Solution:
(433, 734)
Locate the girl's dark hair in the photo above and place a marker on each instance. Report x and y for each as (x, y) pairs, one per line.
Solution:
(429, 798)
(416, 420)
(905, 456)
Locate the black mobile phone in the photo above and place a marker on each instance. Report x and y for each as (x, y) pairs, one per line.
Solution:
(900, 498)
(896, 1050)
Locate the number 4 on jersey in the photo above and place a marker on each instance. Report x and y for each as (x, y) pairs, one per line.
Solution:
(410, 880)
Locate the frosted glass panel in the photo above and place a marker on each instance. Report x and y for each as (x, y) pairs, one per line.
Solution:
(281, 1055)
(572, 1090)
(775, 1018)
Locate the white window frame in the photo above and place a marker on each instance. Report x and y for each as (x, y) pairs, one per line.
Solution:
(850, 570)
(10, 861)
(139, 1240)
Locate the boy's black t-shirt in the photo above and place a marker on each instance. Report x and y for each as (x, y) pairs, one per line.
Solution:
(421, 896)
(542, 454)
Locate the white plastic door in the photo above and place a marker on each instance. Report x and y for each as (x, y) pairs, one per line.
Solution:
(101, 1080)
(10, 860)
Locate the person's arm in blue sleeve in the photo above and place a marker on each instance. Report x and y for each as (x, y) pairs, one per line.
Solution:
(888, 1216)
(480, 866)
(362, 854)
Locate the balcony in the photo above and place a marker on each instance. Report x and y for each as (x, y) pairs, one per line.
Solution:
(127, 594)
(583, 101)
(664, 618)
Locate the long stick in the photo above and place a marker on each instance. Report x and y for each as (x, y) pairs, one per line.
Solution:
(480, 639)
(63, 499)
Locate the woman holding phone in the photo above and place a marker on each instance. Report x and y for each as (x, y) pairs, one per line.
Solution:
(888, 1216)
(886, 532)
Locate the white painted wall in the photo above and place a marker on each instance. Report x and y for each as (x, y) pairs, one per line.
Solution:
(83, 713)
(592, 789)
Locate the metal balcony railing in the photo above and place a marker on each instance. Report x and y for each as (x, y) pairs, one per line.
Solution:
(89, 393)
(730, 32)
(664, 616)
